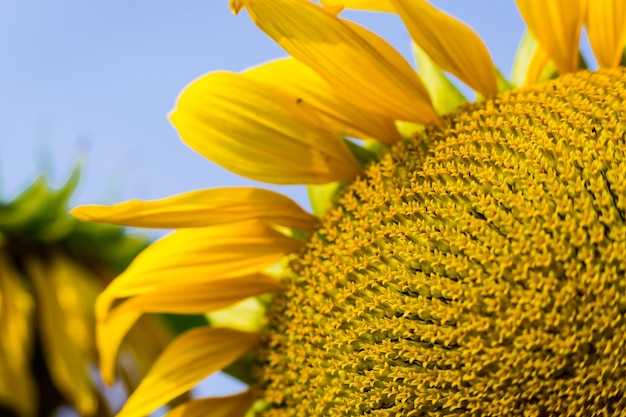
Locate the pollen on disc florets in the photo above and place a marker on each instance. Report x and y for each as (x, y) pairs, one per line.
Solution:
(476, 270)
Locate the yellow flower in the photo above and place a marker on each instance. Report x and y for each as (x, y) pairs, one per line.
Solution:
(468, 259)
(52, 267)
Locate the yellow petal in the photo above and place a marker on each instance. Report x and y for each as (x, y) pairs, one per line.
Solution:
(193, 256)
(346, 117)
(532, 63)
(207, 296)
(606, 28)
(355, 67)
(110, 332)
(255, 130)
(187, 257)
(235, 5)
(231, 406)
(17, 388)
(556, 24)
(203, 208)
(189, 359)
(65, 327)
(451, 44)
(369, 5)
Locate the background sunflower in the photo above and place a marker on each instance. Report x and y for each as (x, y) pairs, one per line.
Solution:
(52, 267)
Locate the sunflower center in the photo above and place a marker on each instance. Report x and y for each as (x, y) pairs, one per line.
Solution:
(478, 269)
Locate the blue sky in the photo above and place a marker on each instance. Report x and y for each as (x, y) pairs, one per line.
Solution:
(98, 78)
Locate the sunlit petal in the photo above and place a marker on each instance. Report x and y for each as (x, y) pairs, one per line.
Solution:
(451, 44)
(606, 28)
(189, 359)
(191, 256)
(186, 257)
(231, 406)
(355, 67)
(347, 117)
(203, 208)
(540, 67)
(255, 130)
(556, 25)
(199, 298)
(199, 255)
(532, 63)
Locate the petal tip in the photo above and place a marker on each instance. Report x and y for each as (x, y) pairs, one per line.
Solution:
(81, 213)
(236, 6)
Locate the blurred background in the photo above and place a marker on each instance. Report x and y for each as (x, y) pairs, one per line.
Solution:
(96, 80)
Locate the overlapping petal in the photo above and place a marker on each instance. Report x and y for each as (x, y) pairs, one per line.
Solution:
(255, 130)
(556, 25)
(231, 406)
(198, 298)
(110, 332)
(189, 359)
(532, 63)
(606, 28)
(65, 300)
(346, 117)
(229, 256)
(203, 208)
(351, 64)
(196, 255)
(451, 44)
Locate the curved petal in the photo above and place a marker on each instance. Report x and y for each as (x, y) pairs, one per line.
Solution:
(185, 258)
(17, 388)
(203, 208)
(199, 298)
(64, 303)
(540, 67)
(451, 44)
(255, 130)
(186, 361)
(346, 117)
(556, 25)
(231, 406)
(532, 63)
(345, 59)
(194, 256)
(606, 28)
(110, 332)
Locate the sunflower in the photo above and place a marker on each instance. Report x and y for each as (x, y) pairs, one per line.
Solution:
(52, 267)
(462, 258)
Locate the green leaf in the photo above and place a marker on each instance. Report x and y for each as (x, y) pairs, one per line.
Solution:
(443, 93)
(323, 196)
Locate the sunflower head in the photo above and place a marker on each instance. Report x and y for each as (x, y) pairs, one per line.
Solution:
(465, 259)
(51, 269)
